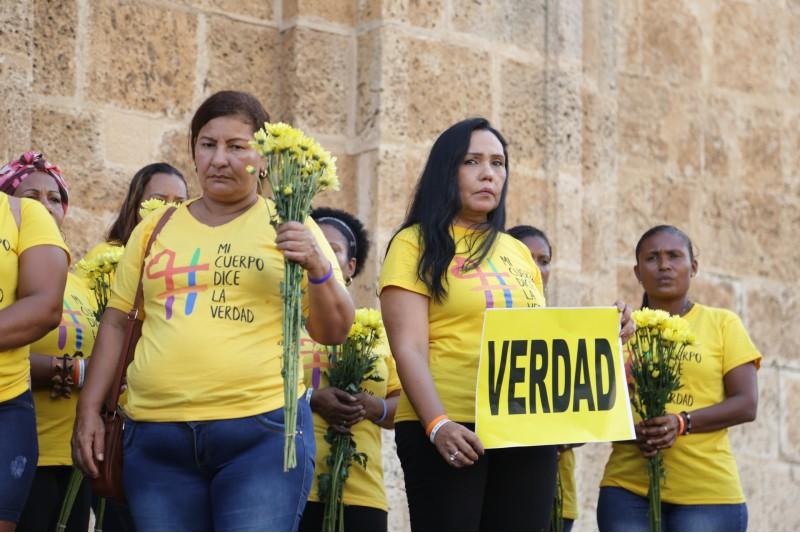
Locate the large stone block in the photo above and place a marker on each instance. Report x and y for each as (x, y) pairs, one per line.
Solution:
(635, 209)
(129, 139)
(347, 197)
(628, 288)
(778, 501)
(643, 108)
(517, 22)
(397, 171)
(712, 290)
(563, 112)
(590, 462)
(336, 11)
(16, 22)
(174, 149)
(760, 148)
(758, 439)
(422, 13)
(746, 51)
(522, 113)
(317, 82)
(369, 86)
(54, 47)
(467, 92)
(156, 72)
(527, 201)
(252, 65)
(721, 150)
(672, 41)
(85, 226)
(15, 106)
(629, 36)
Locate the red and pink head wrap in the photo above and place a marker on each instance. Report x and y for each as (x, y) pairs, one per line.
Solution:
(15, 172)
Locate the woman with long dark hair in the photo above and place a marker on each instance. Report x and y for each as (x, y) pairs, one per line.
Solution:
(448, 263)
(719, 389)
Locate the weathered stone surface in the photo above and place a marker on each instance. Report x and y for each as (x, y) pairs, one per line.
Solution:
(527, 201)
(790, 150)
(338, 11)
(643, 108)
(422, 13)
(261, 10)
(590, 462)
(522, 112)
(635, 209)
(174, 149)
(395, 484)
(129, 139)
(16, 21)
(745, 47)
(710, 290)
(369, 86)
(54, 43)
(777, 501)
(251, 65)
(15, 106)
(157, 70)
(629, 36)
(397, 172)
(757, 440)
(770, 336)
(720, 147)
(628, 288)
(347, 197)
(760, 148)
(434, 106)
(517, 22)
(87, 227)
(671, 41)
(563, 116)
(317, 78)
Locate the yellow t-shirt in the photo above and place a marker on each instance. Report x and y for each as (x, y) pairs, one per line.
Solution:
(37, 228)
(700, 467)
(569, 497)
(211, 338)
(363, 486)
(74, 338)
(508, 277)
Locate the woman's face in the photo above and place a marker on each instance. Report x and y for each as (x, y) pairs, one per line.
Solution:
(481, 176)
(166, 187)
(222, 154)
(540, 252)
(664, 267)
(43, 188)
(341, 248)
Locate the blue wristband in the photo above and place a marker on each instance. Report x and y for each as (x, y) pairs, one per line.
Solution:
(385, 410)
(323, 279)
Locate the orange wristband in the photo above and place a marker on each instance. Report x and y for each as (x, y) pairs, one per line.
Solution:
(433, 423)
(681, 424)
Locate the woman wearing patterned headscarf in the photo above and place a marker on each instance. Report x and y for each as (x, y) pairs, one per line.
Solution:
(33, 271)
(58, 365)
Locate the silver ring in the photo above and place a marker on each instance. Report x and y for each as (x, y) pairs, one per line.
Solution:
(454, 455)
(665, 429)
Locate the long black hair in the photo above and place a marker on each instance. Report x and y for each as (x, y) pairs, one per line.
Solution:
(663, 228)
(437, 203)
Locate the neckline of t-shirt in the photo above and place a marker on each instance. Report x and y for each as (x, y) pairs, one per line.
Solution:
(695, 307)
(185, 206)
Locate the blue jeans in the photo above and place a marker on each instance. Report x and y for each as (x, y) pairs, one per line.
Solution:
(621, 510)
(220, 475)
(19, 453)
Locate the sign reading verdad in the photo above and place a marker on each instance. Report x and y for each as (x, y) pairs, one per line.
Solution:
(551, 376)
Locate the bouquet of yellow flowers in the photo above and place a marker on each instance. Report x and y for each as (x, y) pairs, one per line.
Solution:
(351, 364)
(656, 351)
(297, 169)
(99, 270)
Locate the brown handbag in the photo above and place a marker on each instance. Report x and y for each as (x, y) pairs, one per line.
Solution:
(108, 484)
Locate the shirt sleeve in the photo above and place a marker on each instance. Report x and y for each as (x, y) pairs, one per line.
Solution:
(37, 228)
(401, 264)
(129, 268)
(738, 347)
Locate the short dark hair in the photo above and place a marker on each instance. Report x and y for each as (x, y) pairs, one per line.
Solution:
(524, 231)
(128, 215)
(362, 243)
(225, 104)
(437, 202)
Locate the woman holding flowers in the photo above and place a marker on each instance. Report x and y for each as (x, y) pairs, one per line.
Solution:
(58, 367)
(33, 272)
(204, 433)
(565, 507)
(449, 262)
(701, 489)
(362, 414)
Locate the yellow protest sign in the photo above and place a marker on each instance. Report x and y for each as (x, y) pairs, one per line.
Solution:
(551, 376)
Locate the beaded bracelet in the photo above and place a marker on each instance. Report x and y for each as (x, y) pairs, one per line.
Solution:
(385, 410)
(323, 279)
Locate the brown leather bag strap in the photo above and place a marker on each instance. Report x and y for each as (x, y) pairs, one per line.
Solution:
(126, 355)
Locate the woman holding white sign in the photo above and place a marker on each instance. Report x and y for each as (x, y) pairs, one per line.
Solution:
(449, 262)
(719, 389)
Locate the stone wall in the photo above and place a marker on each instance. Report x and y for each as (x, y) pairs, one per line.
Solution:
(621, 114)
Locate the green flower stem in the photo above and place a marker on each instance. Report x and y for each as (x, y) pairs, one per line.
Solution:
(293, 275)
(654, 469)
(101, 513)
(74, 485)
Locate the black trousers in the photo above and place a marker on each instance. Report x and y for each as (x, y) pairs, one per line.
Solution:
(356, 518)
(508, 489)
(45, 498)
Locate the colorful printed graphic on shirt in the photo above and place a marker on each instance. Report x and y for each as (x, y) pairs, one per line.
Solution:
(66, 324)
(169, 271)
(491, 282)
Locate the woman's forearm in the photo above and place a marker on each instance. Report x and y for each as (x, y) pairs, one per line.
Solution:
(331, 312)
(28, 320)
